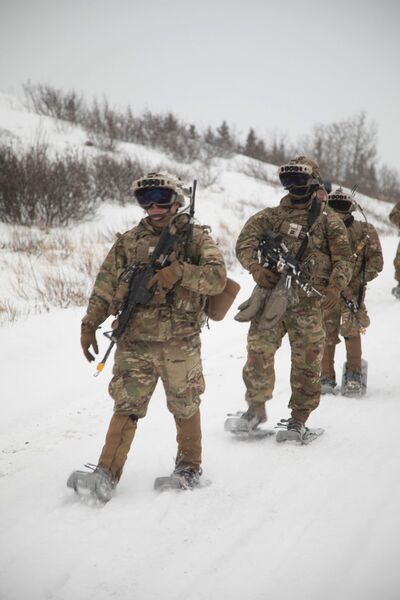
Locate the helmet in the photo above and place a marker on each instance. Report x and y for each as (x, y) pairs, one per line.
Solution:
(340, 201)
(300, 176)
(158, 182)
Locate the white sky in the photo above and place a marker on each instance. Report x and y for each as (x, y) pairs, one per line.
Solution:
(277, 66)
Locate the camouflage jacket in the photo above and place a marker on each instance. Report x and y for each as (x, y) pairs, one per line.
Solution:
(179, 313)
(365, 246)
(327, 258)
(394, 215)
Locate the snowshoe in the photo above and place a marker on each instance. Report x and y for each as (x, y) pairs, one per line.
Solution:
(396, 291)
(328, 386)
(354, 383)
(184, 477)
(96, 484)
(292, 430)
(245, 425)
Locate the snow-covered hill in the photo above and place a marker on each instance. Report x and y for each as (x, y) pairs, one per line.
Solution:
(279, 521)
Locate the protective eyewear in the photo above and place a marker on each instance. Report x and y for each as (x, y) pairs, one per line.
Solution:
(294, 179)
(339, 203)
(147, 196)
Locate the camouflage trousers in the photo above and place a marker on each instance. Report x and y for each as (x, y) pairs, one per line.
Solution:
(342, 321)
(138, 366)
(396, 263)
(304, 326)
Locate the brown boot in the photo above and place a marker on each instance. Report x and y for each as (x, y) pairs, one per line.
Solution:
(188, 436)
(120, 434)
(353, 350)
(300, 415)
(328, 362)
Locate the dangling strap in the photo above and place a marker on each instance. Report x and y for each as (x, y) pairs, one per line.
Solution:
(313, 215)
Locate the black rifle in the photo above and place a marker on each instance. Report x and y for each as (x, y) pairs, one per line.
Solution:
(189, 236)
(276, 256)
(137, 280)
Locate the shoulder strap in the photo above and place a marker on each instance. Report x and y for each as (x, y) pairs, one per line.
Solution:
(313, 214)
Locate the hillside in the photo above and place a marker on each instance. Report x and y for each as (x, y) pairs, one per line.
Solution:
(279, 521)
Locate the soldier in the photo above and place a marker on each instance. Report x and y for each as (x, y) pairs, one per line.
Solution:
(395, 219)
(162, 339)
(318, 239)
(349, 316)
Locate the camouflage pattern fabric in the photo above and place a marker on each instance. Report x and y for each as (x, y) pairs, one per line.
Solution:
(162, 339)
(394, 216)
(327, 261)
(138, 366)
(364, 242)
(303, 323)
(327, 257)
(396, 263)
(168, 315)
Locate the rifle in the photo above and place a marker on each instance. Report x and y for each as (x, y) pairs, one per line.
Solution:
(137, 280)
(276, 256)
(189, 236)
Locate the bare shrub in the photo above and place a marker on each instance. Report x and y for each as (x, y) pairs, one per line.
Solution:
(258, 171)
(113, 177)
(47, 100)
(9, 313)
(43, 191)
(61, 291)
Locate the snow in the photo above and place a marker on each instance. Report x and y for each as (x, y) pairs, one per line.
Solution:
(279, 520)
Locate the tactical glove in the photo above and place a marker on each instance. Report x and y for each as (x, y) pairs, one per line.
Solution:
(167, 277)
(88, 338)
(331, 297)
(264, 277)
(348, 293)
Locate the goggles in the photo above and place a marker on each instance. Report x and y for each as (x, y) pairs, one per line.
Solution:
(294, 179)
(146, 196)
(294, 175)
(340, 202)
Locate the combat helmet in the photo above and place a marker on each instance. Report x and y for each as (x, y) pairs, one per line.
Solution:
(340, 201)
(300, 176)
(161, 188)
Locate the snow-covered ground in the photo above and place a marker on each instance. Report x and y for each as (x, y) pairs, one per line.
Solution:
(279, 521)
(319, 521)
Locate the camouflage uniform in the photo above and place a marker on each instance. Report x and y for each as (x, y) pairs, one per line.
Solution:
(327, 262)
(394, 216)
(161, 341)
(366, 248)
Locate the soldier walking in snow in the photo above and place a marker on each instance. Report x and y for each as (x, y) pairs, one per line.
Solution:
(317, 240)
(162, 337)
(349, 316)
(395, 219)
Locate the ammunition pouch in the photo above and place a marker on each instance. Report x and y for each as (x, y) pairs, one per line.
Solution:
(217, 306)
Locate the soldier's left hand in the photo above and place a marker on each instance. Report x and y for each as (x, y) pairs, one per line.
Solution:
(167, 277)
(348, 293)
(331, 297)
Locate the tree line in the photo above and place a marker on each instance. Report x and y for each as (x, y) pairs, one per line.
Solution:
(55, 191)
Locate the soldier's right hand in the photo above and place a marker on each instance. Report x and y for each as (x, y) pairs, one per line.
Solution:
(264, 277)
(88, 339)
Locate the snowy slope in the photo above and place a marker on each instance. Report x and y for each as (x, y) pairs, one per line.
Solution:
(279, 521)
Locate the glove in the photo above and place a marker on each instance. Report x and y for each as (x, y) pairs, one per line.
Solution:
(331, 297)
(348, 293)
(88, 338)
(264, 277)
(167, 277)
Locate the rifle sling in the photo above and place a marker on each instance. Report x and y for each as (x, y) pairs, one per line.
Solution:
(312, 216)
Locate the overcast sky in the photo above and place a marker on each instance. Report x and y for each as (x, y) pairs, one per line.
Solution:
(279, 66)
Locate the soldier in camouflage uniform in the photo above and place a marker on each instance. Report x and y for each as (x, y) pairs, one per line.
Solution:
(162, 339)
(349, 316)
(395, 219)
(304, 221)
